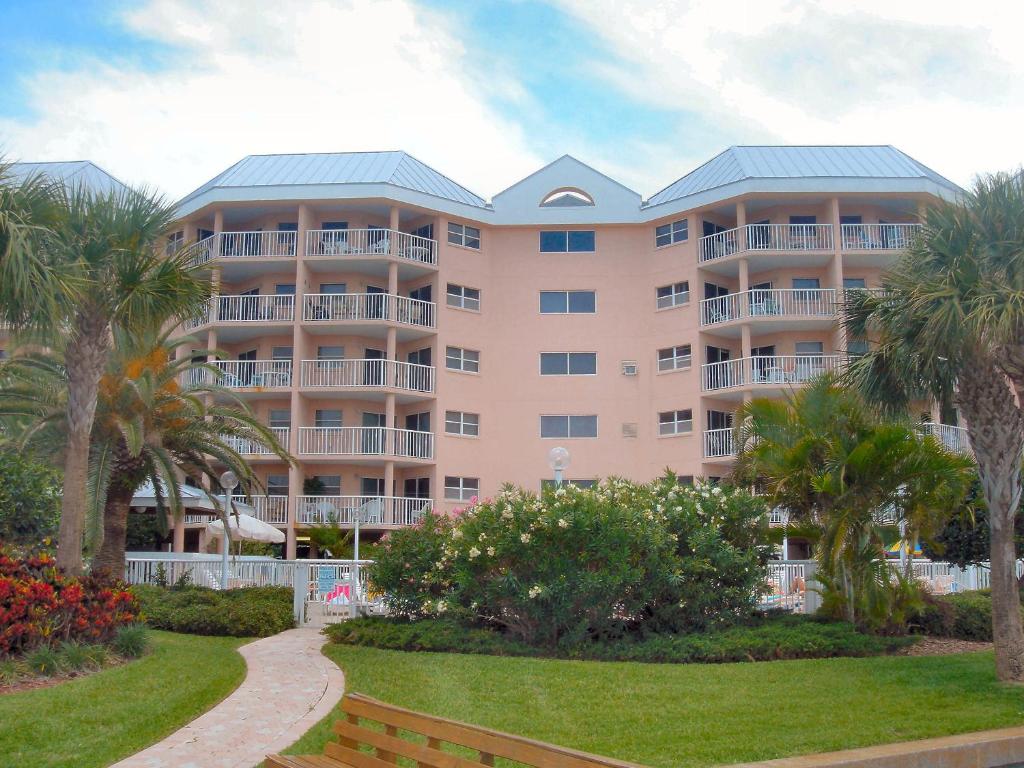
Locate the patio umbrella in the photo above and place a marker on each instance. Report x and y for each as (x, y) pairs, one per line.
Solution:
(191, 498)
(247, 527)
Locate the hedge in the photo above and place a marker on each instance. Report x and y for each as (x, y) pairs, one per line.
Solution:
(776, 637)
(245, 612)
(963, 615)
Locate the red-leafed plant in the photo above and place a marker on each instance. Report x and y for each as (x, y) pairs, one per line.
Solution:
(39, 605)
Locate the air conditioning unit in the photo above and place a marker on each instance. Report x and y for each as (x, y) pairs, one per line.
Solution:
(629, 429)
(629, 368)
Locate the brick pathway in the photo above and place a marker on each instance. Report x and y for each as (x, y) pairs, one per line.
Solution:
(289, 687)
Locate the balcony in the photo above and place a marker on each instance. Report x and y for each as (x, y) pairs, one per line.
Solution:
(247, 315)
(878, 237)
(367, 442)
(953, 438)
(374, 376)
(243, 245)
(718, 443)
(767, 372)
(373, 511)
(369, 313)
(270, 509)
(255, 375)
(785, 308)
(370, 250)
(766, 237)
(252, 448)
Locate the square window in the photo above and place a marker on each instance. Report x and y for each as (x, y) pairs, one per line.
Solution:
(554, 242)
(675, 422)
(581, 241)
(673, 295)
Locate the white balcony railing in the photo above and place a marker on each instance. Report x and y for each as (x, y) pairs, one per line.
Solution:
(767, 369)
(252, 448)
(769, 302)
(372, 510)
(201, 252)
(247, 308)
(718, 443)
(366, 441)
(875, 237)
(766, 237)
(256, 244)
(719, 245)
(373, 242)
(257, 374)
(361, 307)
(270, 509)
(954, 438)
(340, 374)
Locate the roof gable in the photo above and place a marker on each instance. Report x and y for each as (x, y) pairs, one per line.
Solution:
(71, 173)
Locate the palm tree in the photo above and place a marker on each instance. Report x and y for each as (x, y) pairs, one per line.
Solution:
(157, 419)
(90, 267)
(824, 455)
(949, 326)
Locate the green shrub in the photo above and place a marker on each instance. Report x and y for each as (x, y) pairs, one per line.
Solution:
(776, 637)
(131, 642)
(11, 671)
(580, 563)
(963, 615)
(98, 655)
(74, 656)
(247, 612)
(43, 661)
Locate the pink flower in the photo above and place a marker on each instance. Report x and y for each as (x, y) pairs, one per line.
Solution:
(473, 500)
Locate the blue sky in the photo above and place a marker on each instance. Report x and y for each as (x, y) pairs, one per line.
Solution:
(170, 92)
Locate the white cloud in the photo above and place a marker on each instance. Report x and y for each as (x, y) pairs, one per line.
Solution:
(275, 76)
(942, 81)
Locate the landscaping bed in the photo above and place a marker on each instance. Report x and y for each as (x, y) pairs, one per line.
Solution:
(246, 612)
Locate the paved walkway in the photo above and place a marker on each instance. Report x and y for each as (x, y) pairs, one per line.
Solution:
(289, 687)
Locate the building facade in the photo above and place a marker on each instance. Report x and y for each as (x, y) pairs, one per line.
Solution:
(415, 345)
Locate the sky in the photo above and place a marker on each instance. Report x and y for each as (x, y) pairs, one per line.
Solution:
(168, 93)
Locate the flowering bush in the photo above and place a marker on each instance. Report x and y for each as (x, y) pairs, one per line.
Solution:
(575, 564)
(41, 606)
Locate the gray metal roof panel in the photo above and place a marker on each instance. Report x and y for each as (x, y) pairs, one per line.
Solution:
(397, 168)
(794, 162)
(71, 172)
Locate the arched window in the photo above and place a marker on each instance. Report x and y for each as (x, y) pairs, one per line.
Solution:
(566, 197)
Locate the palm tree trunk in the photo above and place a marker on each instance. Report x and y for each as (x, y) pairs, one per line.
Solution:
(110, 558)
(85, 359)
(996, 430)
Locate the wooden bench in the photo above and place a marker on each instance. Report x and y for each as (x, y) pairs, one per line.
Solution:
(419, 737)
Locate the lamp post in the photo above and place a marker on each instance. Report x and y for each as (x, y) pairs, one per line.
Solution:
(228, 481)
(558, 460)
(355, 566)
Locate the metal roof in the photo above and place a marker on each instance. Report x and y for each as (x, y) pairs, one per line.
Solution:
(71, 173)
(799, 162)
(395, 168)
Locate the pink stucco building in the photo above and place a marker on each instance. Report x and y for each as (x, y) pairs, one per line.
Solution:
(415, 345)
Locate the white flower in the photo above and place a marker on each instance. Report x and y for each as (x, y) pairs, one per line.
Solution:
(427, 607)
(474, 553)
(536, 591)
(560, 491)
(563, 523)
(457, 533)
(483, 537)
(439, 564)
(490, 551)
(442, 606)
(716, 491)
(506, 514)
(525, 538)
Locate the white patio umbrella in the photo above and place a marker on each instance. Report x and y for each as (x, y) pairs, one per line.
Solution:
(247, 527)
(191, 498)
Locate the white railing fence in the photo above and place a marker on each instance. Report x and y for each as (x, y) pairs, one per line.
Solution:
(718, 443)
(719, 245)
(338, 307)
(953, 437)
(246, 308)
(371, 510)
(872, 237)
(379, 242)
(205, 571)
(768, 369)
(256, 243)
(265, 374)
(370, 441)
(789, 237)
(253, 448)
(769, 302)
(270, 509)
(368, 373)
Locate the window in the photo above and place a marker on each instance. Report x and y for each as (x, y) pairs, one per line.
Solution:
(806, 283)
(417, 487)
(568, 363)
(328, 417)
(461, 488)
(462, 423)
(462, 297)
(284, 289)
(418, 422)
(331, 484)
(812, 348)
(545, 484)
(803, 220)
(675, 422)
(333, 288)
(673, 295)
(854, 282)
(174, 242)
(667, 234)
(371, 486)
(279, 418)
(281, 353)
(277, 485)
(330, 353)
(568, 302)
(568, 426)
(334, 225)
(458, 359)
(464, 235)
(856, 347)
(674, 358)
(567, 241)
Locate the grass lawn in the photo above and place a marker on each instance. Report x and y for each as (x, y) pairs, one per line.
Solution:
(96, 720)
(694, 714)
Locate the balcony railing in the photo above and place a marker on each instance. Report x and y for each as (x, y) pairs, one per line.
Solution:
(252, 448)
(372, 242)
(339, 374)
(270, 509)
(767, 369)
(876, 237)
(244, 374)
(360, 307)
(366, 441)
(769, 302)
(372, 510)
(256, 244)
(718, 443)
(247, 308)
(954, 438)
(766, 237)
(201, 252)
